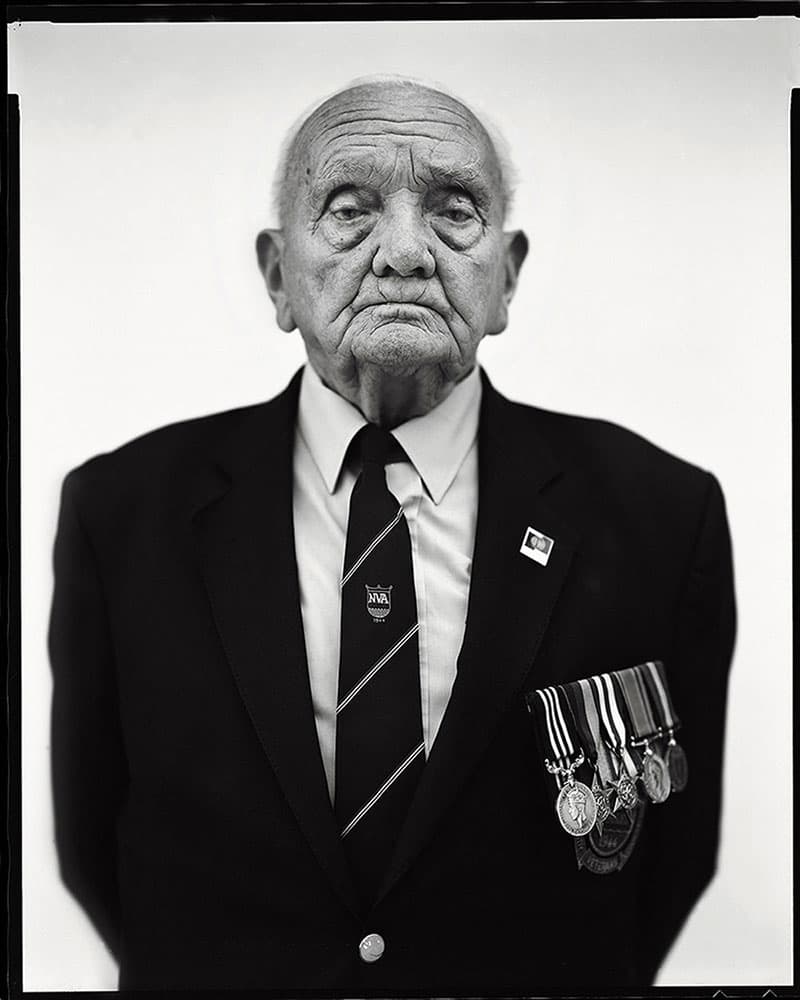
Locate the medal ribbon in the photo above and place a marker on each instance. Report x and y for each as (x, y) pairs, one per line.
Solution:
(561, 721)
(556, 725)
(598, 712)
(582, 693)
(541, 707)
(617, 726)
(636, 674)
(634, 695)
(627, 719)
(574, 703)
(652, 673)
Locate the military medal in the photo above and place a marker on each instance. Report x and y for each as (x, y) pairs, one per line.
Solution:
(596, 750)
(654, 681)
(626, 793)
(576, 809)
(578, 799)
(677, 764)
(603, 805)
(655, 777)
(654, 773)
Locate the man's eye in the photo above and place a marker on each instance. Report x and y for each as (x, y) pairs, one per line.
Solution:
(457, 214)
(347, 213)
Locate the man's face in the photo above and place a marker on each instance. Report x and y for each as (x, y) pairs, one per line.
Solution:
(393, 255)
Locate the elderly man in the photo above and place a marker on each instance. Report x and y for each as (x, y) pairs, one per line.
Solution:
(292, 643)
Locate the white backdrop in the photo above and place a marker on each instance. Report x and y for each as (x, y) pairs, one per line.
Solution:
(653, 158)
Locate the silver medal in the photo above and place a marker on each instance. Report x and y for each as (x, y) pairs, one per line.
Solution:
(677, 766)
(576, 808)
(655, 777)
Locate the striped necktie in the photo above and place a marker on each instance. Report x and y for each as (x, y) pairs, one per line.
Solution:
(380, 750)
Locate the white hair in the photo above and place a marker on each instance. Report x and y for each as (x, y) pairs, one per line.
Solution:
(508, 174)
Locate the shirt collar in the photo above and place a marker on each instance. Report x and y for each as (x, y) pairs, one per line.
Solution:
(327, 424)
(436, 443)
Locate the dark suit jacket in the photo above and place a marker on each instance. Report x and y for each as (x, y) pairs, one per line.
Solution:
(192, 816)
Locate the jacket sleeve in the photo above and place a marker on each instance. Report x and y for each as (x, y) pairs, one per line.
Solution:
(682, 835)
(88, 761)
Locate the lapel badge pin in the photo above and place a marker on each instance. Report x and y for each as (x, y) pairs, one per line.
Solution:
(536, 546)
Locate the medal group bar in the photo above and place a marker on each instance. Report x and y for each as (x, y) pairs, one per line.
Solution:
(619, 728)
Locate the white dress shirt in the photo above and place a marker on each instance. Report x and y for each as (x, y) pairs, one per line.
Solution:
(438, 491)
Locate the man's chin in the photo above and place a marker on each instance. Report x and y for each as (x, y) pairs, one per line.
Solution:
(402, 349)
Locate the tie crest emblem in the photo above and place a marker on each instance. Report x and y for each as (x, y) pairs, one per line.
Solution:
(379, 601)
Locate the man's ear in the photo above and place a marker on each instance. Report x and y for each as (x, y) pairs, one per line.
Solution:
(269, 250)
(516, 252)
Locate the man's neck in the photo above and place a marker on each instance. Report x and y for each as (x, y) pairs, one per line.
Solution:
(391, 400)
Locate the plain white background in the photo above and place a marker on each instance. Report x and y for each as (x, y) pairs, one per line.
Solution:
(653, 158)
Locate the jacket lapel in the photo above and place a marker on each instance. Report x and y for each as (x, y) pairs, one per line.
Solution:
(510, 603)
(244, 530)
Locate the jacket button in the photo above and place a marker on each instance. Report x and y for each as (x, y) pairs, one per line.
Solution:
(371, 948)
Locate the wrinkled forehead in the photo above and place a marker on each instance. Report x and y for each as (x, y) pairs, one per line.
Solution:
(374, 133)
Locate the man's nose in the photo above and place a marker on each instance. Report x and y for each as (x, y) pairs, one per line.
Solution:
(404, 244)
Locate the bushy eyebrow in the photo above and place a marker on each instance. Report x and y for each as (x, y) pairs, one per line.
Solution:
(343, 173)
(361, 171)
(465, 179)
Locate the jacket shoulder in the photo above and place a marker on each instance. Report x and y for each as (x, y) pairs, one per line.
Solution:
(171, 455)
(621, 459)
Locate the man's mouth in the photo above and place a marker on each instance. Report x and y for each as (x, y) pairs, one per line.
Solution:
(401, 310)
